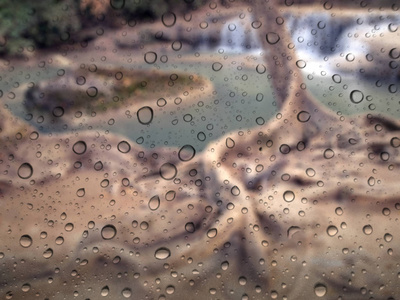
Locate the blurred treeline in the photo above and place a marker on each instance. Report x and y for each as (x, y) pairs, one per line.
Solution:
(29, 24)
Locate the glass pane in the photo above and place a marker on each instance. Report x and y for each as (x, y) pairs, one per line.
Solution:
(199, 149)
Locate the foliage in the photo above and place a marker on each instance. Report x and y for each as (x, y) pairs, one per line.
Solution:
(26, 24)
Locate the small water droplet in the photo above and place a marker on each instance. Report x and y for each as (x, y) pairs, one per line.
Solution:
(154, 203)
(79, 147)
(235, 191)
(229, 143)
(356, 96)
(371, 181)
(162, 253)
(186, 153)
(168, 19)
(108, 232)
(367, 229)
(217, 66)
(225, 265)
(92, 91)
(320, 290)
(288, 196)
(168, 171)
(127, 293)
(310, 172)
(212, 233)
(329, 153)
(150, 57)
(124, 147)
(189, 227)
(272, 38)
(25, 241)
(332, 230)
(303, 116)
(98, 166)
(104, 291)
(25, 171)
(145, 115)
(48, 253)
(80, 192)
(395, 142)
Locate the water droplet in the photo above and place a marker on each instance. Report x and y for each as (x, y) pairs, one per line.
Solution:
(310, 172)
(117, 4)
(356, 96)
(288, 196)
(329, 153)
(162, 253)
(371, 181)
(395, 142)
(170, 195)
(332, 230)
(119, 75)
(124, 147)
(25, 171)
(303, 116)
(272, 38)
(320, 290)
(170, 289)
(212, 233)
(168, 19)
(48, 253)
(242, 280)
(80, 192)
(339, 211)
(386, 211)
(201, 136)
(284, 149)
(186, 153)
(58, 112)
(367, 229)
(154, 203)
(98, 166)
(217, 66)
(69, 227)
(108, 232)
(301, 64)
(81, 80)
(150, 57)
(225, 265)
(229, 143)
(104, 291)
(336, 78)
(235, 191)
(25, 241)
(79, 147)
(261, 69)
(127, 293)
(59, 240)
(168, 171)
(145, 115)
(189, 227)
(26, 287)
(388, 237)
(92, 91)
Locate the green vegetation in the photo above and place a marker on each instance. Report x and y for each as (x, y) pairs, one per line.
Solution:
(26, 25)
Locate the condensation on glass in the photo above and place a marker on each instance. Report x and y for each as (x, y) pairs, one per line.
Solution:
(198, 149)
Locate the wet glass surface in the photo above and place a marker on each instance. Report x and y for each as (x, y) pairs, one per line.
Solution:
(205, 149)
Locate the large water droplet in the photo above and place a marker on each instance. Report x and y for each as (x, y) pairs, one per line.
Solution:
(79, 147)
(48, 253)
(217, 66)
(272, 38)
(104, 291)
(108, 232)
(145, 115)
(168, 19)
(162, 253)
(154, 203)
(229, 143)
(329, 153)
(235, 191)
(212, 233)
(168, 171)
(395, 142)
(124, 147)
(303, 116)
(288, 196)
(371, 181)
(332, 230)
(25, 241)
(367, 229)
(25, 171)
(92, 91)
(150, 57)
(356, 96)
(320, 290)
(186, 153)
(189, 227)
(127, 293)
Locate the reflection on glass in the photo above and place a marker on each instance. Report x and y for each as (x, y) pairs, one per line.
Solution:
(204, 149)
